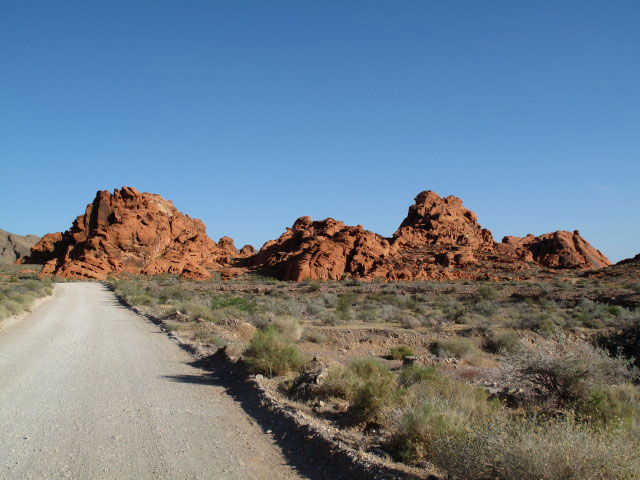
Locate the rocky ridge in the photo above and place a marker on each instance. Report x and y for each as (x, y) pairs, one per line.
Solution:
(439, 239)
(13, 247)
(141, 233)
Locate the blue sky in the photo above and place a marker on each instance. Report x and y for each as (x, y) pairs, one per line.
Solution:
(251, 114)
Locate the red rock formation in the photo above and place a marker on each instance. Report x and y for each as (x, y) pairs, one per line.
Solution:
(322, 250)
(441, 222)
(247, 250)
(559, 249)
(138, 233)
(439, 239)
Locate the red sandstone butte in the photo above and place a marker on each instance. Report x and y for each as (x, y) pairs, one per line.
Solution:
(129, 231)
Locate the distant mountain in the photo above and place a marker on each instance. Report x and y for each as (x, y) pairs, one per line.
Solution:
(13, 247)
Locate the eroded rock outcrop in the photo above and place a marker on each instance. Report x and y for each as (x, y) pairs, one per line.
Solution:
(141, 233)
(441, 222)
(439, 239)
(559, 249)
(129, 231)
(322, 250)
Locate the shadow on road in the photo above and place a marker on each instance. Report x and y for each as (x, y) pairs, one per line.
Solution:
(311, 457)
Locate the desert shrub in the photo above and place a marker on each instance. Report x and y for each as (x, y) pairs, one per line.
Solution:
(14, 307)
(172, 292)
(559, 283)
(574, 376)
(271, 354)
(196, 310)
(458, 347)
(413, 374)
(452, 309)
(409, 321)
(504, 342)
(438, 407)
(294, 308)
(401, 351)
(375, 390)
(243, 304)
(369, 313)
(595, 315)
(369, 386)
(313, 309)
(344, 305)
(339, 382)
(142, 299)
(541, 323)
(525, 450)
(171, 326)
(289, 327)
(625, 342)
(315, 336)
(202, 334)
(582, 283)
(614, 405)
(19, 291)
(487, 292)
(331, 317)
(486, 308)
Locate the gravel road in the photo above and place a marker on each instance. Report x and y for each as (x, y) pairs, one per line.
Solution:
(90, 390)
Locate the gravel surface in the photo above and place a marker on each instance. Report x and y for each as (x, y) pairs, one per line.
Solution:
(90, 390)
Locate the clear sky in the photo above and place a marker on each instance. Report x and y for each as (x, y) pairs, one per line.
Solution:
(251, 114)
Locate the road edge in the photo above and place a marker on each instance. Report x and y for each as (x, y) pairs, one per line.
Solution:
(354, 464)
(16, 319)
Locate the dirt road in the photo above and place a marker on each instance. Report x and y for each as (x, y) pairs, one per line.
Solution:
(90, 390)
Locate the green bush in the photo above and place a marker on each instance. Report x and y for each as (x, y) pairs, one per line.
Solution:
(286, 325)
(401, 351)
(271, 354)
(369, 386)
(487, 292)
(18, 292)
(526, 450)
(438, 406)
(171, 326)
(409, 321)
(612, 406)
(344, 305)
(375, 390)
(458, 347)
(243, 304)
(505, 342)
(573, 376)
(413, 374)
(196, 310)
(315, 337)
(141, 299)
